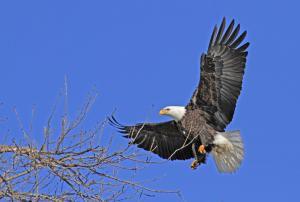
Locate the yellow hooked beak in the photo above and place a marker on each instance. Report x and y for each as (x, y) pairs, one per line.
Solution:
(163, 111)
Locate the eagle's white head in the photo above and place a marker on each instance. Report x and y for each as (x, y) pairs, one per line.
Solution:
(176, 112)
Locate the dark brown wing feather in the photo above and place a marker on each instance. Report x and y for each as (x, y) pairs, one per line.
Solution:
(160, 138)
(222, 70)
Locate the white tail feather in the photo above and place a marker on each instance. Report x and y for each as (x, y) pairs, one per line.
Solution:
(228, 151)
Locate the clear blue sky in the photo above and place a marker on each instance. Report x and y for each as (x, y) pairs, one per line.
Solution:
(143, 55)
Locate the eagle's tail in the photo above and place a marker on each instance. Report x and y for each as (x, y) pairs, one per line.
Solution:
(228, 151)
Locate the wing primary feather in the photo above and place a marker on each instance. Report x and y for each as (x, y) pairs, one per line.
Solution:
(233, 35)
(121, 128)
(211, 42)
(228, 32)
(239, 40)
(243, 47)
(220, 32)
(113, 122)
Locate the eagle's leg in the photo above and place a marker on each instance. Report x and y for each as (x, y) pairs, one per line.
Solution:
(199, 158)
(198, 162)
(195, 162)
(201, 149)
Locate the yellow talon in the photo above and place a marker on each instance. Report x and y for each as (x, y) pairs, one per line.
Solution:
(202, 149)
(194, 164)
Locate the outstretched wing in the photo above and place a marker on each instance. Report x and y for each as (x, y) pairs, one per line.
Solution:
(163, 139)
(222, 70)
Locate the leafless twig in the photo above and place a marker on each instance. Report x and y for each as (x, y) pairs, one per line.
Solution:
(73, 164)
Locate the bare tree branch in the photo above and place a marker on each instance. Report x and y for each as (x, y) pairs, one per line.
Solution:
(74, 164)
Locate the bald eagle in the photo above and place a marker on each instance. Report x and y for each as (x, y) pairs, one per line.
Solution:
(198, 128)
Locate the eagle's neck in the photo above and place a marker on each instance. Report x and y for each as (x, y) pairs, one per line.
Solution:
(177, 112)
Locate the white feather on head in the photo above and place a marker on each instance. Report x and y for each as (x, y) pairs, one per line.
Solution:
(176, 112)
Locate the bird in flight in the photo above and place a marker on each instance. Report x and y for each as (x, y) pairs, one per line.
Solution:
(198, 128)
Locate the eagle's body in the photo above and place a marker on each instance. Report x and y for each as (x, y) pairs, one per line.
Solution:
(194, 124)
(198, 128)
